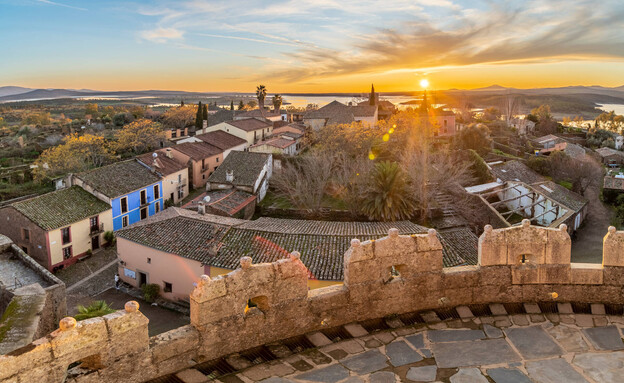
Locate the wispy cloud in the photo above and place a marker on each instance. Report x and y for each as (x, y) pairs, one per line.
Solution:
(61, 5)
(162, 35)
(247, 39)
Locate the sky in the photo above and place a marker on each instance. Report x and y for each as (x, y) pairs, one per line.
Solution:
(310, 46)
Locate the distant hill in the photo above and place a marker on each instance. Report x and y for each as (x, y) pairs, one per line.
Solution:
(12, 90)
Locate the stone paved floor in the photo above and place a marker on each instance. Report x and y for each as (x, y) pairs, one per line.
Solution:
(15, 274)
(540, 348)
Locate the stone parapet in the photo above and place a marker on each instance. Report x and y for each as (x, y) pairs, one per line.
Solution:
(264, 303)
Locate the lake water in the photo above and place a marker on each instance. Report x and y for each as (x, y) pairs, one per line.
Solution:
(301, 101)
(618, 108)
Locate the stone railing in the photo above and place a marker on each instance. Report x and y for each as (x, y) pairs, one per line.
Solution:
(264, 303)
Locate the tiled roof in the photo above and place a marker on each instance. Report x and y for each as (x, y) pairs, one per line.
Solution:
(290, 128)
(197, 150)
(247, 167)
(605, 152)
(189, 238)
(119, 178)
(334, 113)
(61, 208)
(259, 113)
(249, 124)
(561, 194)
(351, 229)
(363, 110)
(222, 115)
(222, 140)
(229, 201)
(162, 164)
(516, 171)
(548, 137)
(461, 246)
(280, 143)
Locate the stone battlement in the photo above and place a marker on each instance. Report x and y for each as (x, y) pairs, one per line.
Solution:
(265, 303)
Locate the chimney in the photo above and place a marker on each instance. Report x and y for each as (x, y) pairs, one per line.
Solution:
(201, 208)
(229, 175)
(168, 153)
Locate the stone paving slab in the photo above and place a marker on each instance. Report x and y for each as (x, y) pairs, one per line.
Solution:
(422, 374)
(365, 363)
(507, 375)
(468, 375)
(603, 367)
(533, 342)
(438, 336)
(568, 337)
(330, 374)
(382, 377)
(401, 354)
(605, 338)
(553, 371)
(492, 332)
(417, 340)
(474, 353)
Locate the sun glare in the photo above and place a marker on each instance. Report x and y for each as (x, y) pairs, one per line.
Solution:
(424, 83)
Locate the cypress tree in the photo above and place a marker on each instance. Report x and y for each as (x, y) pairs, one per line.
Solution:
(205, 116)
(372, 97)
(182, 103)
(199, 116)
(241, 105)
(232, 105)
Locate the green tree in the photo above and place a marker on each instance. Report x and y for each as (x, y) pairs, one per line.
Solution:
(93, 310)
(139, 137)
(199, 117)
(261, 93)
(277, 102)
(475, 137)
(387, 197)
(241, 106)
(179, 118)
(119, 119)
(232, 105)
(92, 109)
(182, 103)
(205, 114)
(542, 113)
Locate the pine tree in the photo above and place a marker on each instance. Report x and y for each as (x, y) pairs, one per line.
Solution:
(199, 117)
(232, 105)
(241, 105)
(205, 116)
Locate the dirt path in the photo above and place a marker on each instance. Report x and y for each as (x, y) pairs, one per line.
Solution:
(587, 244)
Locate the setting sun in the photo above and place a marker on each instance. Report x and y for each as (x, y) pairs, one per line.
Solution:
(424, 83)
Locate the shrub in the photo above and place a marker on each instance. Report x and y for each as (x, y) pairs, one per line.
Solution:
(93, 310)
(479, 167)
(109, 237)
(150, 292)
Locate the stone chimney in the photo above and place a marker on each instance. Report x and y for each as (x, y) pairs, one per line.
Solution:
(154, 160)
(201, 208)
(229, 175)
(168, 153)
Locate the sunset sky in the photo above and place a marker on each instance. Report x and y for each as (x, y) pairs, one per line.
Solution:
(310, 46)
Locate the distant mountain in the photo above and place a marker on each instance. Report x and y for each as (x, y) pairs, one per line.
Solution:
(12, 90)
(492, 87)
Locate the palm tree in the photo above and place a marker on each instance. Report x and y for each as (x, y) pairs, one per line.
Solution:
(387, 197)
(95, 309)
(277, 102)
(261, 93)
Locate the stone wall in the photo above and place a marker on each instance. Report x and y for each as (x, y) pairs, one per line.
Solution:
(264, 303)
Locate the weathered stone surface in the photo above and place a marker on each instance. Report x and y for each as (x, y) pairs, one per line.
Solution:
(318, 339)
(438, 336)
(605, 338)
(533, 342)
(382, 377)
(401, 354)
(355, 330)
(192, 376)
(553, 371)
(471, 353)
(492, 332)
(277, 380)
(416, 340)
(330, 374)
(422, 374)
(507, 375)
(468, 375)
(603, 367)
(568, 337)
(365, 363)
(267, 370)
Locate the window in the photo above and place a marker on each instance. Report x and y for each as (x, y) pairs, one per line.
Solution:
(156, 192)
(67, 252)
(143, 197)
(217, 159)
(215, 167)
(168, 287)
(445, 122)
(157, 207)
(65, 235)
(94, 223)
(124, 221)
(149, 260)
(26, 234)
(204, 176)
(124, 204)
(203, 164)
(143, 213)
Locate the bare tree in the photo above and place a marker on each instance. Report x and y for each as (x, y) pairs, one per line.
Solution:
(509, 107)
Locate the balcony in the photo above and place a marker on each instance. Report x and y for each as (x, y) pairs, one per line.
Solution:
(96, 229)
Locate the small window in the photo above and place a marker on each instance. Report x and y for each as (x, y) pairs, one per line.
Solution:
(156, 192)
(168, 287)
(143, 197)
(144, 213)
(67, 252)
(26, 234)
(65, 235)
(204, 176)
(217, 159)
(149, 260)
(157, 207)
(124, 221)
(124, 204)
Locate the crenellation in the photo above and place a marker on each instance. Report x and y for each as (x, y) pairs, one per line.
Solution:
(612, 245)
(263, 303)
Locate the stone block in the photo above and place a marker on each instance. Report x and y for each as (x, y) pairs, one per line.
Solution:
(497, 309)
(209, 289)
(495, 275)
(176, 363)
(318, 339)
(192, 376)
(427, 261)
(532, 308)
(250, 280)
(613, 248)
(464, 312)
(328, 298)
(397, 247)
(554, 274)
(586, 274)
(492, 248)
(290, 268)
(359, 251)
(175, 342)
(613, 275)
(461, 277)
(37, 353)
(87, 338)
(428, 242)
(525, 274)
(355, 330)
(598, 309)
(559, 247)
(216, 309)
(430, 317)
(362, 272)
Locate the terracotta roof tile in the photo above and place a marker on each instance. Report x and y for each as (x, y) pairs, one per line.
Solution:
(119, 178)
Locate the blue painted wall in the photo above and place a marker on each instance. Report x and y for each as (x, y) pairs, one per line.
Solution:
(134, 204)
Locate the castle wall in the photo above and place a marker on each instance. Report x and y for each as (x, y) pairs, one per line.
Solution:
(264, 303)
